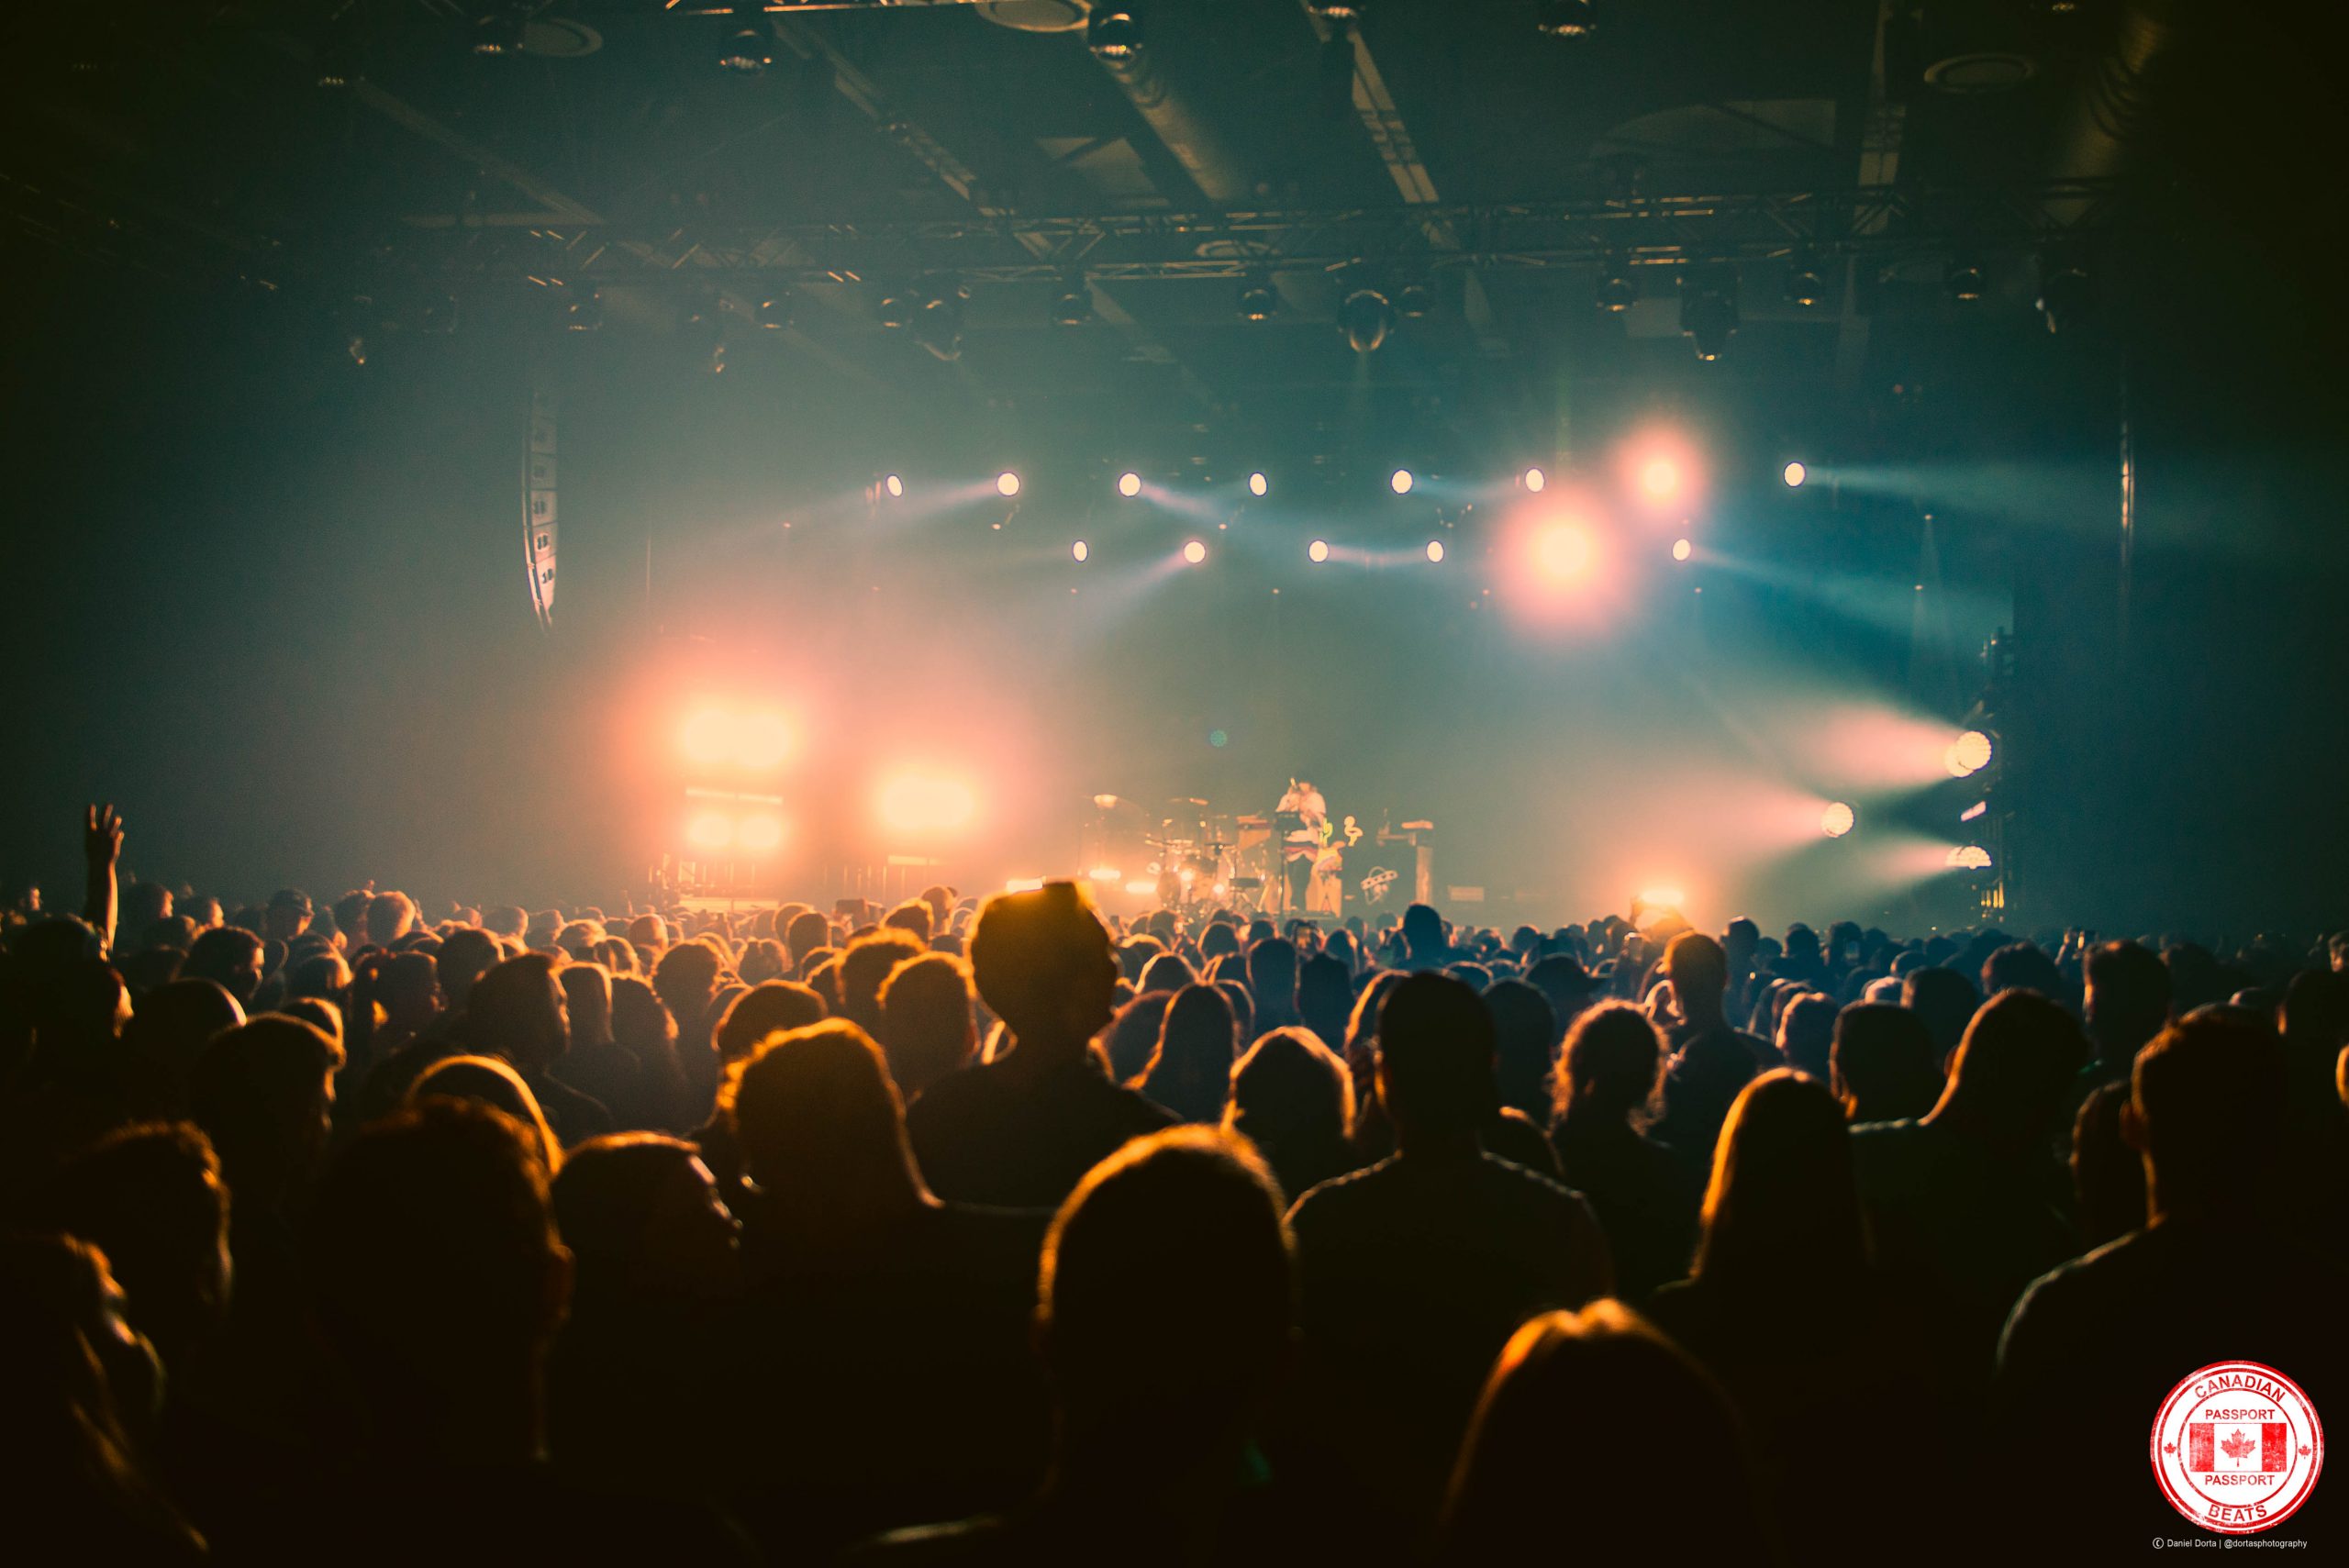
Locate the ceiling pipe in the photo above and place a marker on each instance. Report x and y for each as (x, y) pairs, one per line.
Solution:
(1195, 143)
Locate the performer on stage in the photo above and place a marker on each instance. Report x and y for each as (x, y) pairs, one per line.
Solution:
(1301, 823)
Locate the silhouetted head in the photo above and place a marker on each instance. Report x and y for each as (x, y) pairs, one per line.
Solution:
(1272, 976)
(437, 1273)
(1423, 932)
(1190, 1071)
(769, 1007)
(1435, 1061)
(1042, 964)
(2019, 1055)
(390, 917)
(519, 1011)
(1612, 1065)
(1806, 1032)
(1884, 1067)
(151, 1197)
(914, 919)
(587, 1000)
(1525, 1046)
(642, 1218)
(2021, 966)
(686, 978)
(1945, 1000)
(489, 1081)
(263, 1092)
(1289, 1088)
(174, 1023)
(821, 1125)
(1783, 1203)
(2126, 1000)
(2206, 1098)
(865, 964)
(1698, 970)
(466, 954)
(1165, 972)
(1528, 1460)
(1166, 1299)
(2107, 1176)
(928, 1022)
(229, 956)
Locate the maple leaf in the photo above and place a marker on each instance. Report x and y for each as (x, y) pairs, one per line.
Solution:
(2236, 1445)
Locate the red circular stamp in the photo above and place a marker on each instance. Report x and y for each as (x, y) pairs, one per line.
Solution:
(2237, 1447)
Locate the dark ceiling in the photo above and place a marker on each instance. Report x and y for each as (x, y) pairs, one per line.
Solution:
(611, 175)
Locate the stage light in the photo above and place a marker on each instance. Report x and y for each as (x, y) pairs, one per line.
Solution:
(1335, 10)
(1708, 311)
(2066, 295)
(1129, 484)
(1836, 820)
(1414, 301)
(895, 487)
(1805, 284)
(710, 830)
(1105, 873)
(1535, 479)
(1564, 552)
(1963, 278)
(1024, 884)
(1195, 553)
(1072, 303)
(1259, 301)
(1660, 479)
(1080, 550)
(762, 742)
(1682, 550)
(897, 307)
(1400, 482)
(1006, 484)
(920, 803)
(708, 737)
(1663, 899)
(1258, 484)
(1565, 18)
(1114, 32)
(747, 52)
(1367, 318)
(1969, 753)
(1969, 857)
(1972, 811)
(1618, 286)
(583, 311)
(938, 326)
(1794, 475)
(1435, 552)
(500, 33)
(759, 833)
(1318, 551)
(1105, 802)
(1142, 885)
(775, 313)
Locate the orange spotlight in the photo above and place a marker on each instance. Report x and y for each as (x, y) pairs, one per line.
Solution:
(1258, 484)
(1565, 551)
(1129, 484)
(1682, 550)
(1969, 753)
(1837, 820)
(759, 833)
(923, 803)
(1080, 550)
(709, 736)
(1535, 479)
(1318, 551)
(710, 830)
(1006, 484)
(1195, 553)
(762, 742)
(1660, 479)
(1435, 550)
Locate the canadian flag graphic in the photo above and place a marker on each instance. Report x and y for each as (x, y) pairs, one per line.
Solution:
(2238, 1445)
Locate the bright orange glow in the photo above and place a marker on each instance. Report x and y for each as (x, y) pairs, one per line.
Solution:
(1969, 753)
(1794, 475)
(1258, 484)
(1080, 550)
(1970, 857)
(1663, 896)
(1565, 551)
(1836, 820)
(1024, 884)
(1435, 550)
(1195, 553)
(710, 830)
(922, 803)
(1129, 484)
(1682, 550)
(709, 736)
(895, 487)
(1318, 551)
(762, 742)
(1660, 479)
(1006, 484)
(759, 833)
(1400, 482)
(1535, 479)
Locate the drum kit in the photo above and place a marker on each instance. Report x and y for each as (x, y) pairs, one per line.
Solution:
(1204, 860)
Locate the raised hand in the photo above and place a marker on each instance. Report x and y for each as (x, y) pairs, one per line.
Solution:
(100, 835)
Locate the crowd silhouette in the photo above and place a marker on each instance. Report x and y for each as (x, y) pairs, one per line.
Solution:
(999, 1231)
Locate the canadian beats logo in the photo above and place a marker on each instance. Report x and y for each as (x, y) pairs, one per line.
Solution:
(2237, 1447)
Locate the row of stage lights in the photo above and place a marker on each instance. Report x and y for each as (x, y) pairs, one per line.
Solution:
(736, 747)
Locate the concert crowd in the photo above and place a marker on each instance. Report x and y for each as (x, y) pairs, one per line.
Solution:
(997, 1231)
